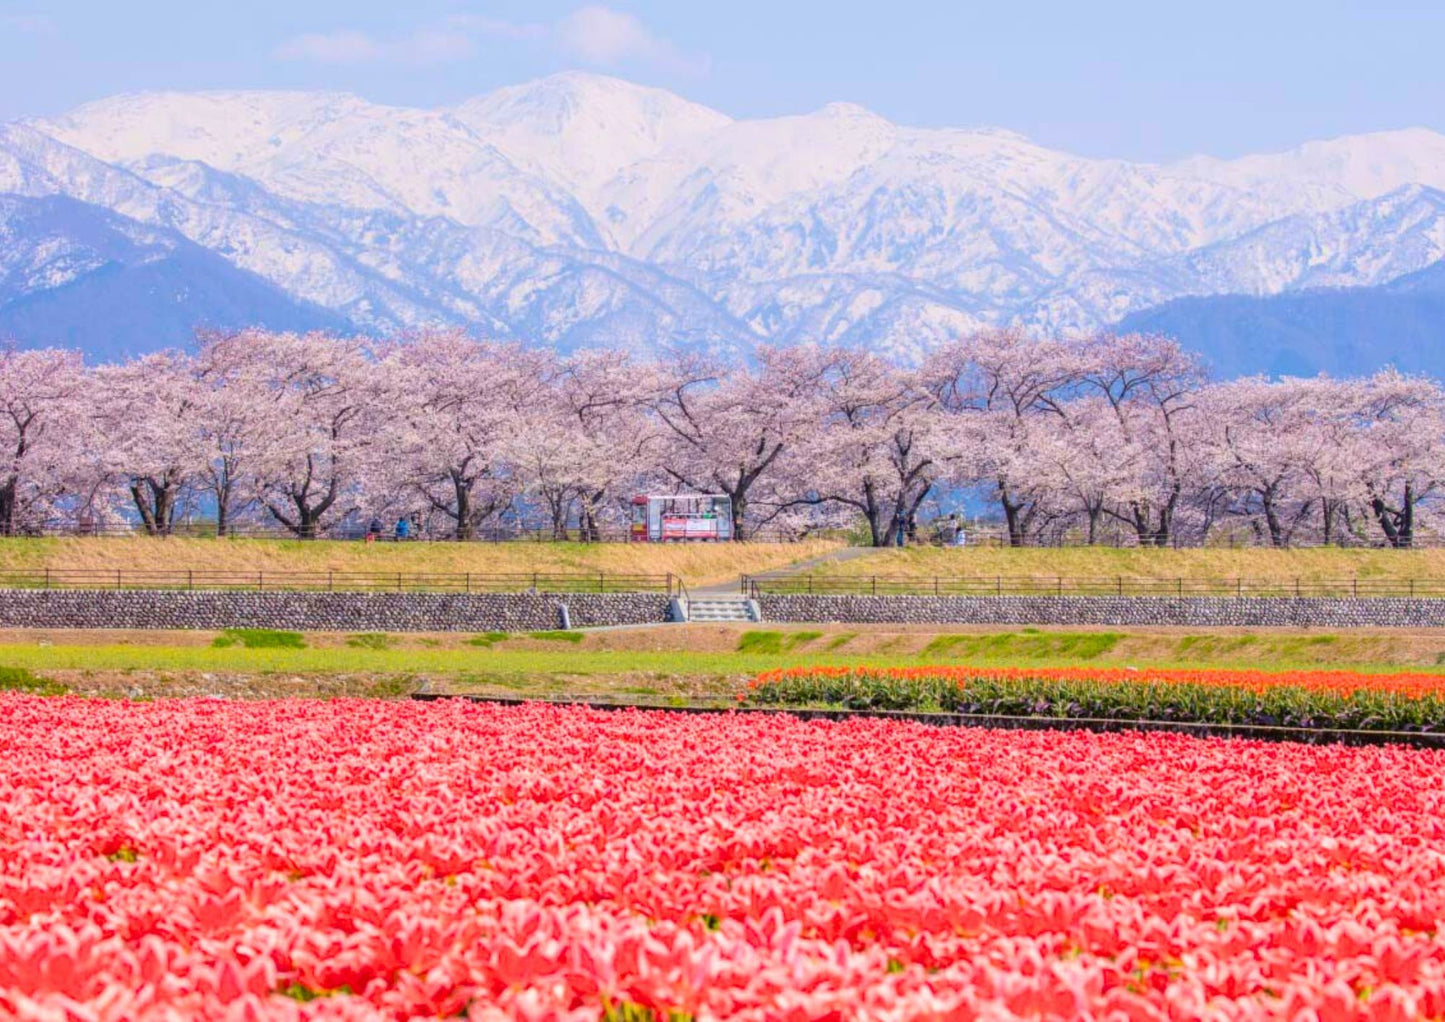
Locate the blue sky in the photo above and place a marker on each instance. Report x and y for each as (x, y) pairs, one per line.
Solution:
(1136, 80)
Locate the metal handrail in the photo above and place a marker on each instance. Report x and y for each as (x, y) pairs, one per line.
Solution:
(1111, 585)
(339, 581)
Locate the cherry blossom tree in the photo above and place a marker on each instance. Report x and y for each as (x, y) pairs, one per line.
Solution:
(1066, 435)
(150, 412)
(723, 429)
(1323, 449)
(601, 399)
(457, 408)
(40, 399)
(878, 445)
(998, 386)
(1270, 448)
(323, 415)
(1078, 464)
(1398, 447)
(233, 421)
(1152, 386)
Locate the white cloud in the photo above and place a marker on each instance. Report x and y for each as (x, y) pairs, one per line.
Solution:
(593, 34)
(601, 36)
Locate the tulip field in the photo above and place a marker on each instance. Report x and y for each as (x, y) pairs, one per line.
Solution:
(1311, 700)
(210, 859)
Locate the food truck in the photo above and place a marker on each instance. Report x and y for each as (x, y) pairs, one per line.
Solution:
(682, 518)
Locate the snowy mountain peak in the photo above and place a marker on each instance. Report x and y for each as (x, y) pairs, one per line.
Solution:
(555, 102)
(1361, 166)
(581, 209)
(584, 129)
(224, 129)
(843, 110)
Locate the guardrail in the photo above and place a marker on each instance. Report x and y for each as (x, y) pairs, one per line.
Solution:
(1116, 585)
(341, 581)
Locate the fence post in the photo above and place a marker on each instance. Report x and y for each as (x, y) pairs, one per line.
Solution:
(935, 585)
(875, 585)
(117, 578)
(1119, 582)
(1180, 580)
(1296, 587)
(1357, 586)
(398, 581)
(190, 579)
(47, 578)
(467, 580)
(260, 580)
(998, 585)
(1060, 585)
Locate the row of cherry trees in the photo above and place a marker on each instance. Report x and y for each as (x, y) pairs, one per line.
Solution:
(1089, 436)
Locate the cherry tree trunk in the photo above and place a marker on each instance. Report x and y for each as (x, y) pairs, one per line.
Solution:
(156, 503)
(7, 507)
(741, 530)
(464, 509)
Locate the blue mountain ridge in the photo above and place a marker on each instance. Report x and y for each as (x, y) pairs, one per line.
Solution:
(76, 275)
(1351, 331)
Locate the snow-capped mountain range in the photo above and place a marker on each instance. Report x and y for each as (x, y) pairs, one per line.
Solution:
(581, 209)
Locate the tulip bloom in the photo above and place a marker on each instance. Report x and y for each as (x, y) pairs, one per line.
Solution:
(384, 860)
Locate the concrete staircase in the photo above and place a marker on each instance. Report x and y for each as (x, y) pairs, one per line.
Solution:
(715, 609)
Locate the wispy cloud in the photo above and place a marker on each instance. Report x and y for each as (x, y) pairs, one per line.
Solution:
(606, 38)
(341, 47)
(594, 35)
(28, 24)
(497, 28)
(431, 45)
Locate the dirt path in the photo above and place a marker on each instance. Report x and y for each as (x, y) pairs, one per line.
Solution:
(803, 567)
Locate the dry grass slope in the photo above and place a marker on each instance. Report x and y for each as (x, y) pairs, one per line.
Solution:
(695, 563)
(1101, 562)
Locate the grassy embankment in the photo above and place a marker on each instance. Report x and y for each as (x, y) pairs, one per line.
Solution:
(696, 564)
(1106, 562)
(689, 663)
(706, 563)
(669, 662)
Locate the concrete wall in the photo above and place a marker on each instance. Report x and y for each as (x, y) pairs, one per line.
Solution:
(1204, 611)
(323, 612)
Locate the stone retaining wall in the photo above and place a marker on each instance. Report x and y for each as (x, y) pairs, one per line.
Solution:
(1202, 611)
(324, 612)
